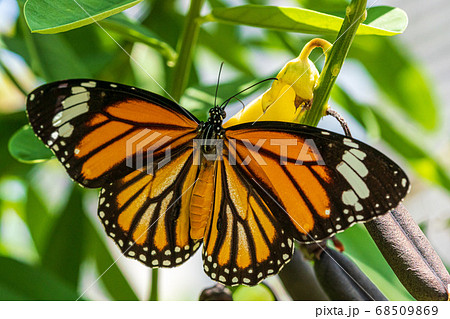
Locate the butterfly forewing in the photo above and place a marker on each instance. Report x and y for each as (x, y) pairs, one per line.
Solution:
(93, 126)
(321, 182)
(96, 129)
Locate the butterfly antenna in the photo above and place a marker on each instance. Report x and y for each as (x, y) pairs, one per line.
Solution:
(225, 103)
(243, 105)
(217, 86)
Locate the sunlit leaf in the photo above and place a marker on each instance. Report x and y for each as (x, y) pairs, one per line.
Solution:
(26, 147)
(327, 6)
(256, 293)
(47, 16)
(385, 21)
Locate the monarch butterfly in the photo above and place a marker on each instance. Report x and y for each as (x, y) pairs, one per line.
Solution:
(245, 195)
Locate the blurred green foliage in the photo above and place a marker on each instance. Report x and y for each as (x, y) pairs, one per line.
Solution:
(61, 238)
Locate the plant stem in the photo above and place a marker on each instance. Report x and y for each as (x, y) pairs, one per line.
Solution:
(355, 14)
(189, 38)
(154, 285)
(180, 77)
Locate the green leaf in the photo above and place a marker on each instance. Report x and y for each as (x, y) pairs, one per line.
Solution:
(38, 219)
(52, 57)
(407, 146)
(399, 77)
(387, 18)
(26, 147)
(9, 124)
(47, 16)
(65, 244)
(229, 48)
(112, 278)
(384, 21)
(327, 6)
(25, 282)
(132, 31)
(257, 293)
(94, 48)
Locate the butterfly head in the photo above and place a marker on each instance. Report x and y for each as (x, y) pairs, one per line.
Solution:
(212, 130)
(216, 115)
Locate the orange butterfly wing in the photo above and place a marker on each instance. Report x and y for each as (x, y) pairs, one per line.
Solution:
(93, 126)
(319, 181)
(244, 242)
(104, 134)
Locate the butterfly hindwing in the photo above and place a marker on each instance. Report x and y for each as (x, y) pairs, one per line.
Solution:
(148, 215)
(244, 242)
(321, 182)
(92, 126)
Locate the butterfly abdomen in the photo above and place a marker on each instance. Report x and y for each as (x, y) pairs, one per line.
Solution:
(201, 201)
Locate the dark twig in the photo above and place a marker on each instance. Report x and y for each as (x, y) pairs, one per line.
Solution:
(341, 279)
(300, 281)
(410, 255)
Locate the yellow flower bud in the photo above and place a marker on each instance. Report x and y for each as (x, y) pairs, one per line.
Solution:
(290, 95)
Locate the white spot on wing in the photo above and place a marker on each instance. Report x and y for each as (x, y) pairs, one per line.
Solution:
(65, 130)
(404, 182)
(78, 89)
(350, 143)
(90, 84)
(69, 114)
(75, 99)
(359, 154)
(349, 198)
(355, 163)
(353, 179)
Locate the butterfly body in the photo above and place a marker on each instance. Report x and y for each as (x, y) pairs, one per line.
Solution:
(170, 183)
(202, 200)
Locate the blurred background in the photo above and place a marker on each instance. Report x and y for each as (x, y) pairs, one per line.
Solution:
(394, 92)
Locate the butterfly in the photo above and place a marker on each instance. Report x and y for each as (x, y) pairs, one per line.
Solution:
(170, 183)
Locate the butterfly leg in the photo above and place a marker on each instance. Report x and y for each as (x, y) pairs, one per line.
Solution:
(341, 121)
